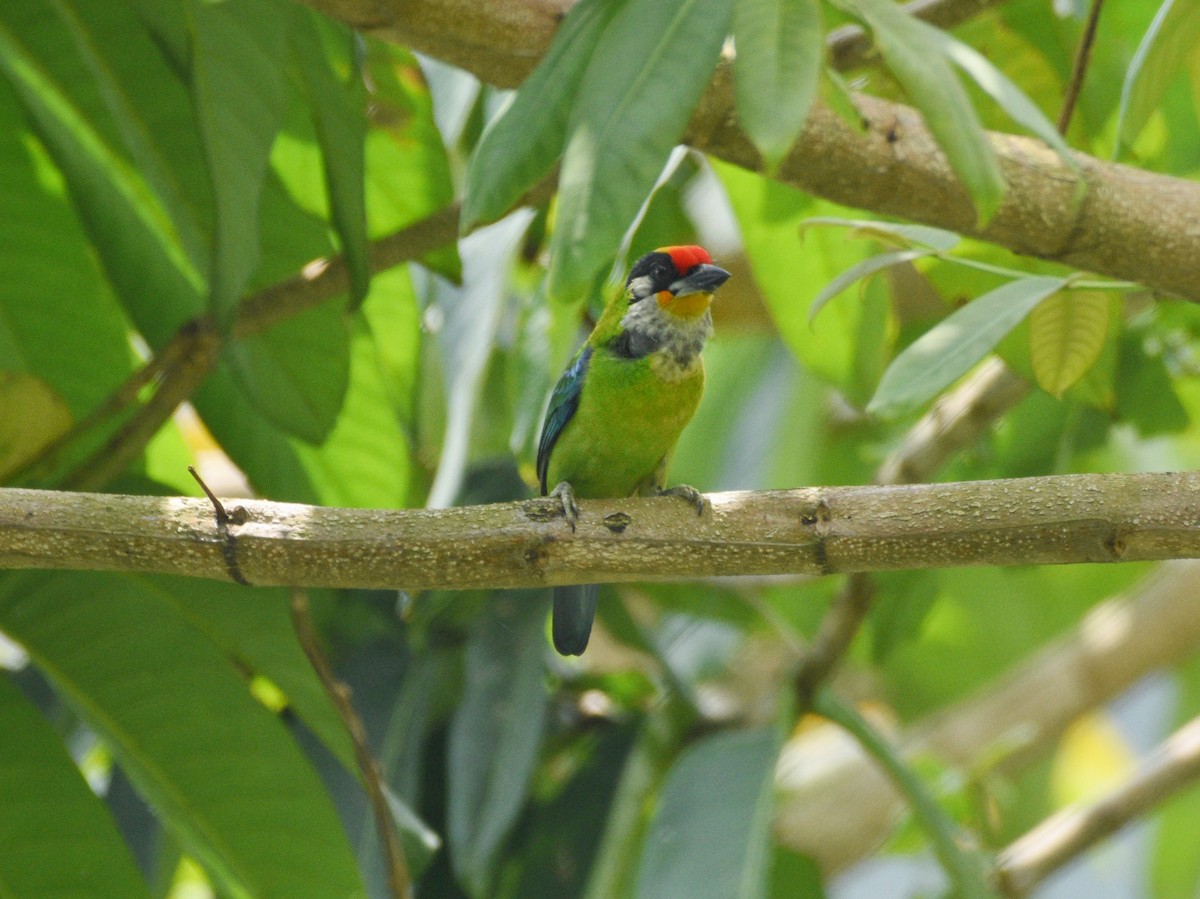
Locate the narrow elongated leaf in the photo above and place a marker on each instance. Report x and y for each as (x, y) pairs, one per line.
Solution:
(57, 836)
(1066, 335)
(1000, 88)
(864, 269)
(891, 232)
(646, 75)
(496, 732)
(527, 136)
(105, 42)
(1166, 47)
(948, 350)
(914, 54)
(710, 834)
(182, 724)
(337, 100)
(239, 89)
(780, 51)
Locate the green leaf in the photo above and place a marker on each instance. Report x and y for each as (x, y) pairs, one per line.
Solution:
(48, 275)
(365, 460)
(132, 235)
(769, 215)
(526, 137)
(891, 232)
(57, 836)
(914, 53)
(337, 101)
(1000, 88)
(296, 373)
(239, 92)
(777, 70)
(180, 721)
(1168, 44)
(120, 60)
(496, 734)
(864, 269)
(626, 119)
(948, 350)
(1066, 334)
(710, 835)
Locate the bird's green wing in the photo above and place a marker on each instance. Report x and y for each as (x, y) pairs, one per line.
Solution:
(563, 403)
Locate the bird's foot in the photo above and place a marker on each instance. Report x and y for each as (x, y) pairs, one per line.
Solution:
(564, 494)
(693, 496)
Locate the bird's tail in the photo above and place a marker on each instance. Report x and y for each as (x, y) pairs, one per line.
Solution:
(571, 620)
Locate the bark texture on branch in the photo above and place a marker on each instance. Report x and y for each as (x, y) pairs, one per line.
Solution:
(1030, 521)
(1129, 224)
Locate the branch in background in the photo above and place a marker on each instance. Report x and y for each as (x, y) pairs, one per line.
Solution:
(196, 350)
(399, 883)
(836, 806)
(181, 365)
(1027, 521)
(1174, 766)
(299, 293)
(156, 367)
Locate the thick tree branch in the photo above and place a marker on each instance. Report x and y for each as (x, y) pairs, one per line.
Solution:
(1130, 224)
(1071, 518)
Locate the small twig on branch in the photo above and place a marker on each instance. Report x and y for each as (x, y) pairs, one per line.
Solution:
(1026, 521)
(1173, 766)
(399, 883)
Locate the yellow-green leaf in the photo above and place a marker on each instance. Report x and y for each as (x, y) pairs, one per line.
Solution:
(1066, 334)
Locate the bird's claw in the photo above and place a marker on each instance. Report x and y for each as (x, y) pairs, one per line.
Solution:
(564, 494)
(691, 495)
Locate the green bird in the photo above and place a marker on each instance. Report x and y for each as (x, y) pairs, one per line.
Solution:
(618, 410)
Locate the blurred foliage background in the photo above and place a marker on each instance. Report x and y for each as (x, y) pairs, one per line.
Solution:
(230, 239)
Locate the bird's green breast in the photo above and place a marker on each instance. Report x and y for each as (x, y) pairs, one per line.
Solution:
(630, 415)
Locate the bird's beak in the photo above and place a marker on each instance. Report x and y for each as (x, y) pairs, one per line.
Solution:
(702, 279)
(690, 296)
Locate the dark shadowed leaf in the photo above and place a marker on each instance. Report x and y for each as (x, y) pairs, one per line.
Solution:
(183, 725)
(58, 838)
(710, 836)
(496, 733)
(239, 90)
(327, 59)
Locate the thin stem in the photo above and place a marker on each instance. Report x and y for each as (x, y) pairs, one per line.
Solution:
(964, 867)
(399, 883)
(1083, 55)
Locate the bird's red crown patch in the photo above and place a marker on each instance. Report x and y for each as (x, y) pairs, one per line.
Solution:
(686, 258)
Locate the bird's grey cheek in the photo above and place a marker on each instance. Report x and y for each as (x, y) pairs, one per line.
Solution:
(640, 287)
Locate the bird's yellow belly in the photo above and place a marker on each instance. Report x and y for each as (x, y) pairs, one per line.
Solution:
(629, 419)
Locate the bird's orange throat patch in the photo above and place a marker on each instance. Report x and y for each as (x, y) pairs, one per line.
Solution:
(689, 306)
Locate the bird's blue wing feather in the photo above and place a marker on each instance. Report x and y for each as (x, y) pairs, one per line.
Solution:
(563, 403)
